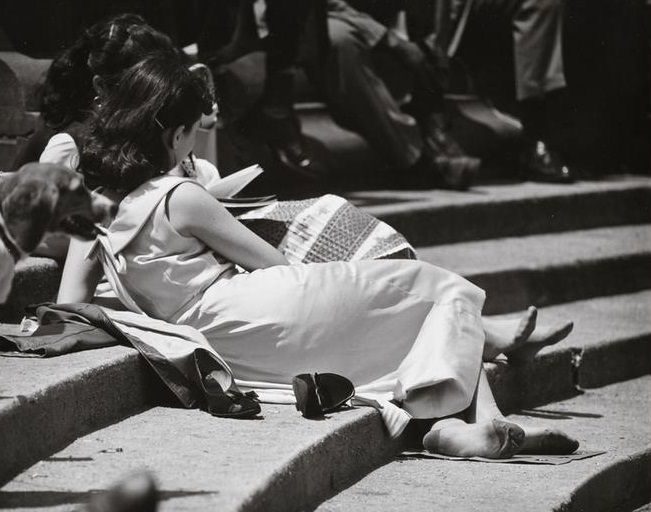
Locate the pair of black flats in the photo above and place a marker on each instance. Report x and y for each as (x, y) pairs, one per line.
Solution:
(316, 394)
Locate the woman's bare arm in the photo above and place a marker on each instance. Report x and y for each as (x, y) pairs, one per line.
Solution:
(80, 275)
(194, 212)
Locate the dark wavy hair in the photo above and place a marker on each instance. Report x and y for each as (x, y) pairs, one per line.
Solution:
(124, 145)
(105, 49)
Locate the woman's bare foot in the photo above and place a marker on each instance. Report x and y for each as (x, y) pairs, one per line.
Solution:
(541, 337)
(503, 336)
(521, 339)
(494, 439)
(547, 441)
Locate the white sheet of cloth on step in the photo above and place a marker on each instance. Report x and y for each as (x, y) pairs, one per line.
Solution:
(401, 330)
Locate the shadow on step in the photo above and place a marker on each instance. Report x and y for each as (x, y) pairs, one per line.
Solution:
(41, 499)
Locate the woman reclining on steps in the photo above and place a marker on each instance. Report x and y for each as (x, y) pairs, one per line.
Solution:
(401, 330)
(88, 70)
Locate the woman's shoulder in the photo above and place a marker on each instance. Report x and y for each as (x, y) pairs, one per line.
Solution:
(61, 149)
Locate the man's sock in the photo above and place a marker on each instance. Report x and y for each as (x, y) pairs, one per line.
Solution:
(532, 115)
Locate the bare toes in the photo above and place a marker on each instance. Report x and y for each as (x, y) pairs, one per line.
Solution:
(549, 442)
(527, 325)
(526, 352)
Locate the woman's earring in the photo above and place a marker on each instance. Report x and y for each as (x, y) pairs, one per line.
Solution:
(96, 101)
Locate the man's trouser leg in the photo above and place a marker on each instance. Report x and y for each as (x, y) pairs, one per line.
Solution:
(362, 100)
(537, 32)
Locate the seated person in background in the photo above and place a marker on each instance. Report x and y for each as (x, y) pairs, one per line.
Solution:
(419, 151)
(76, 78)
(231, 31)
(539, 75)
(74, 83)
(539, 78)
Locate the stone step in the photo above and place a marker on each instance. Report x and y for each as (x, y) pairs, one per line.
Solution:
(551, 268)
(280, 463)
(35, 280)
(47, 403)
(442, 217)
(612, 418)
(432, 217)
(515, 271)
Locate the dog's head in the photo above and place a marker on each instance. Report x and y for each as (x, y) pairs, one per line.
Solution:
(41, 198)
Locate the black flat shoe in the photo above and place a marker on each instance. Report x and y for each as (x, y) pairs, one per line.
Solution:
(539, 163)
(227, 403)
(321, 393)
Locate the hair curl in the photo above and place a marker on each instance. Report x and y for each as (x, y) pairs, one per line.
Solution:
(124, 146)
(105, 50)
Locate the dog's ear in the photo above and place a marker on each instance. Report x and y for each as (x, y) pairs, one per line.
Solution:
(28, 211)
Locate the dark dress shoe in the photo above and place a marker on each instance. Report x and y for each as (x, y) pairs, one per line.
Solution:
(283, 133)
(293, 156)
(440, 142)
(320, 393)
(456, 173)
(445, 172)
(455, 168)
(539, 163)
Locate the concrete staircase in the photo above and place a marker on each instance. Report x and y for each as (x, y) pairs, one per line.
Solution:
(72, 425)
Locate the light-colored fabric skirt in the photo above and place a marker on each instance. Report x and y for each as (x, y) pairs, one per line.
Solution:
(398, 329)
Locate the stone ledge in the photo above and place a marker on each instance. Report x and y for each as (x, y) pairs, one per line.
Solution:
(434, 217)
(551, 268)
(36, 280)
(47, 403)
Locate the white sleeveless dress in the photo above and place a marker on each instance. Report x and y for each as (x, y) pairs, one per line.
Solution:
(400, 330)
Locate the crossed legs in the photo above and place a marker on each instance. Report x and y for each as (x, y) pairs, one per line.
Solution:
(481, 430)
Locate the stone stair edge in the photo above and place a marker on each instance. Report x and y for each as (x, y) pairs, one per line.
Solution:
(629, 476)
(444, 217)
(385, 201)
(552, 376)
(36, 424)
